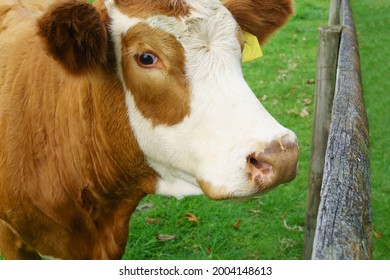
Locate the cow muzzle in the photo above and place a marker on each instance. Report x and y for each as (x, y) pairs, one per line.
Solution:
(273, 164)
(270, 165)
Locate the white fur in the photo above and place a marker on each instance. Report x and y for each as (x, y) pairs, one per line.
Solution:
(226, 122)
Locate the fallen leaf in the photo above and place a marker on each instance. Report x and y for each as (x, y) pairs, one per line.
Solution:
(293, 66)
(275, 102)
(282, 76)
(293, 228)
(164, 237)
(145, 206)
(287, 243)
(377, 234)
(307, 101)
(292, 112)
(310, 82)
(209, 250)
(263, 98)
(151, 221)
(284, 215)
(304, 113)
(195, 246)
(192, 218)
(237, 224)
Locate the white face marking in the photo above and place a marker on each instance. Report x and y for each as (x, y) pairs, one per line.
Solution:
(226, 121)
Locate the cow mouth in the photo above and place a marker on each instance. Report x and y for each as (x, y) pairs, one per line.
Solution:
(256, 187)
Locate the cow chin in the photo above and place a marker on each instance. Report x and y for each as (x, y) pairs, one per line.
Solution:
(243, 194)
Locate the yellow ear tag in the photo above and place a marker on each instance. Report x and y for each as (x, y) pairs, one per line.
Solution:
(252, 49)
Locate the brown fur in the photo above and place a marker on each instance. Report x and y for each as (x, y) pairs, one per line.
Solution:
(68, 39)
(260, 17)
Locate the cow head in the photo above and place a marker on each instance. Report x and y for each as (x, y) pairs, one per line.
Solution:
(196, 120)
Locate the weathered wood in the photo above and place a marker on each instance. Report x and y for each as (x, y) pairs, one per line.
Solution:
(344, 224)
(328, 48)
(334, 12)
(346, 16)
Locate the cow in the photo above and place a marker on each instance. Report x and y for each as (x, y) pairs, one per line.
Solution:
(104, 103)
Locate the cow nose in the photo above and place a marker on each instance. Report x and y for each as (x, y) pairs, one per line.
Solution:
(274, 164)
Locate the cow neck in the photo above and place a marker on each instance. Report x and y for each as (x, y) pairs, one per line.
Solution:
(117, 165)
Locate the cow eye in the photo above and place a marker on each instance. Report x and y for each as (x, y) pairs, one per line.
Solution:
(147, 59)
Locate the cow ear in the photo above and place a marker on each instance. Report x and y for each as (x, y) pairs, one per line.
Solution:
(75, 35)
(260, 17)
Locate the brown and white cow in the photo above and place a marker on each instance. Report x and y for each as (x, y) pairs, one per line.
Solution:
(101, 104)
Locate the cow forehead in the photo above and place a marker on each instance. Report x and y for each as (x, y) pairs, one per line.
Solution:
(206, 29)
(146, 8)
(175, 8)
(178, 17)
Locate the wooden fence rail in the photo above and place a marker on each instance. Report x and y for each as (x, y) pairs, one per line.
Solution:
(338, 218)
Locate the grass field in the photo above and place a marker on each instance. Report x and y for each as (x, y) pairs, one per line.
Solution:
(372, 24)
(271, 227)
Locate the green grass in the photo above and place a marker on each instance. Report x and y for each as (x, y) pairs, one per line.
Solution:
(372, 24)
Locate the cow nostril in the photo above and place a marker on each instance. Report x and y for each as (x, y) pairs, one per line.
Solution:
(259, 166)
(253, 161)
